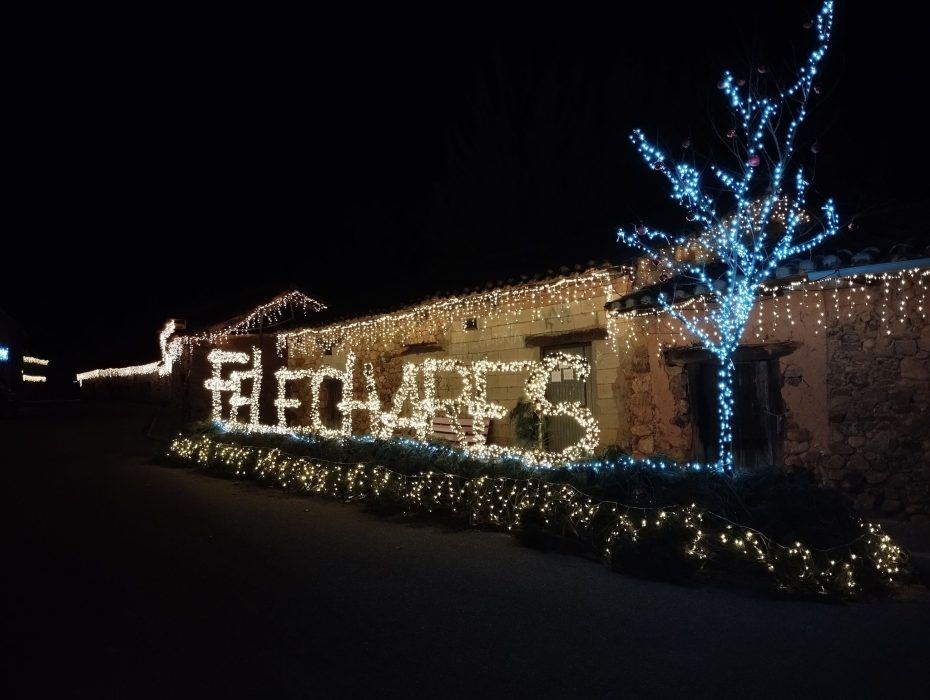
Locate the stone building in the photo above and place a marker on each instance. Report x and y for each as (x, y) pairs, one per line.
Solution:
(832, 377)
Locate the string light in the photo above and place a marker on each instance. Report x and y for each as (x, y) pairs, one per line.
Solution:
(410, 409)
(4, 353)
(748, 243)
(504, 502)
(33, 378)
(453, 312)
(28, 360)
(267, 314)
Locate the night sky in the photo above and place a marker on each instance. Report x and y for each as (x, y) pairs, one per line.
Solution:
(372, 163)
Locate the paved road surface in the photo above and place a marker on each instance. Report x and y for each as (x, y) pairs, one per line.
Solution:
(131, 580)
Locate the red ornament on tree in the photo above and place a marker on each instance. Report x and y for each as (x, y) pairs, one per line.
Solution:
(658, 165)
(731, 134)
(721, 85)
(754, 160)
(690, 216)
(686, 143)
(657, 261)
(741, 82)
(762, 69)
(640, 230)
(817, 88)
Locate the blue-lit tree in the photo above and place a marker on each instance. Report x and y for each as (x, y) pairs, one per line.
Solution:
(751, 220)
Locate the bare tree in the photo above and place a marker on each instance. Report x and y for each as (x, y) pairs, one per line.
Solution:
(750, 221)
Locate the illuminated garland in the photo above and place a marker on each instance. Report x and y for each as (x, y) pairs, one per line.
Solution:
(409, 410)
(268, 313)
(748, 242)
(27, 360)
(504, 502)
(894, 296)
(170, 352)
(396, 327)
(33, 378)
(4, 353)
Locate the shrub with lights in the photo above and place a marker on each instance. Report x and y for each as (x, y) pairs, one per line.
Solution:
(639, 518)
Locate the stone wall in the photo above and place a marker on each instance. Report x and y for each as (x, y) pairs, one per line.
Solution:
(878, 378)
(855, 387)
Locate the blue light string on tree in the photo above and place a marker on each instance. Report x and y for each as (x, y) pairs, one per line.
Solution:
(755, 233)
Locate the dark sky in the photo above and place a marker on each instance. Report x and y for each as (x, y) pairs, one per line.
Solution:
(372, 162)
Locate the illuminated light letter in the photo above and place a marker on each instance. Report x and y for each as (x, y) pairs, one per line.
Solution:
(370, 403)
(536, 392)
(409, 391)
(452, 408)
(316, 384)
(237, 399)
(283, 376)
(216, 384)
(481, 409)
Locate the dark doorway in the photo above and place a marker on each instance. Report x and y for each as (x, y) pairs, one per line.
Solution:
(758, 412)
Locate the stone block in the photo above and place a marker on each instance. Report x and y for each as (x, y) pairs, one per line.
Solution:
(905, 346)
(913, 368)
(837, 408)
(924, 341)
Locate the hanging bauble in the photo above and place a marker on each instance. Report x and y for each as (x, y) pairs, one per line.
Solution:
(754, 160)
(657, 261)
(852, 225)
(663, 277)
(817, 88)
(731, 134)
(721, 84)
(762, 69)
(690, 215)
(741, 82)
(815, 147)
(658, 165)
(640, 230)
(686, 143)
(808, 23)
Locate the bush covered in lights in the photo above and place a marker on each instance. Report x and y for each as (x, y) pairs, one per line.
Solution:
(641, 517)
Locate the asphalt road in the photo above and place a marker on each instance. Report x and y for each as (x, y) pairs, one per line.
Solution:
(132, 580)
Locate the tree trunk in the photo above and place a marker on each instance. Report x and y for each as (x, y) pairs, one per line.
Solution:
(726, 375)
